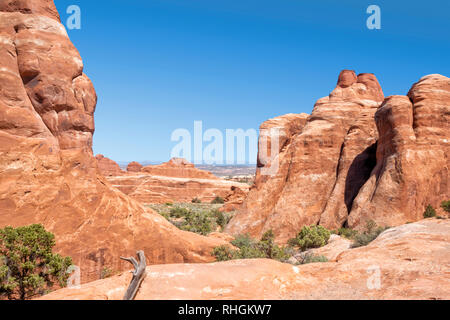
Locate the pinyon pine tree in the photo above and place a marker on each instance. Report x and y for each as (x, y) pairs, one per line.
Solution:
(28, 267)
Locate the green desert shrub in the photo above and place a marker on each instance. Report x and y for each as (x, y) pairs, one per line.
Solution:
(222, 218)
(347, 233)
(311, 237)
(106, 273)
(28, 266)
(196, 200)
(199, 218)
(429, 212)
(218, 200)
(249, 248)
(446, 205)
(243, 240)
(223, 253)
(371, 233)
(178, 212)
(312, 258)
(197, 222)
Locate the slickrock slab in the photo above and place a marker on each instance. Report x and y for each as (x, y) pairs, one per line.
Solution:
(407, 262)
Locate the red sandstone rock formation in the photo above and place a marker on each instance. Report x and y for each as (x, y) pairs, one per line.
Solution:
(178, 168)
(323, 161)
(48, 173)
(107, 167)
(404, 273)
(148, 188)
(134, 167)
(235, 199)
(174, 181)
(335, 170)
(413, 166)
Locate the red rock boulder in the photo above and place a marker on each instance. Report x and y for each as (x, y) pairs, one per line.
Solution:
(134, 167)
(107, 167)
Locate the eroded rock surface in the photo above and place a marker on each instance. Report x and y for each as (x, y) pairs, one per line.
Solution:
(407, 262)
(412, 169)
(174, 181)
(323, 161)
(357, 158)
(134, 167)
(108, 167)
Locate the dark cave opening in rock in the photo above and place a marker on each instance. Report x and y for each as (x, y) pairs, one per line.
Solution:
(358, 173)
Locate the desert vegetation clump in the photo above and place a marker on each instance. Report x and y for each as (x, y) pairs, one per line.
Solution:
(106, 272)
(429, 212)
(195, 217)
(196, 200)
(310, 237)
(218, 200)
(310, 257)
(28, 267)
(371, 233)
(249, 248)
(446, 205)
(347, 233)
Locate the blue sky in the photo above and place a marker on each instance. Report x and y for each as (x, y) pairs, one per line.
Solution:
(159, 65)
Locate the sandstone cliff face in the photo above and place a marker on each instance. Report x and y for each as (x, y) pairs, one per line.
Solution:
(392, 267)
(412, 168)
(48, 173)
(322, 163)
(357, 158)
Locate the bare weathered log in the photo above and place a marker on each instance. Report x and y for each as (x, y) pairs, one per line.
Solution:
(139, 274)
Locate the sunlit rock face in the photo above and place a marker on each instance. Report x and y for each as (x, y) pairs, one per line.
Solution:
(357, 157)
(323, 160)
(48, 173)
(412, 169)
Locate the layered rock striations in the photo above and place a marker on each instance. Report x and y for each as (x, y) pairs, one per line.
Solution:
(174, 181)
(48, 173)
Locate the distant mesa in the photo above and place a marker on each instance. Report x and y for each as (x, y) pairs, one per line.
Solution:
(134, 167)
(178, 168)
